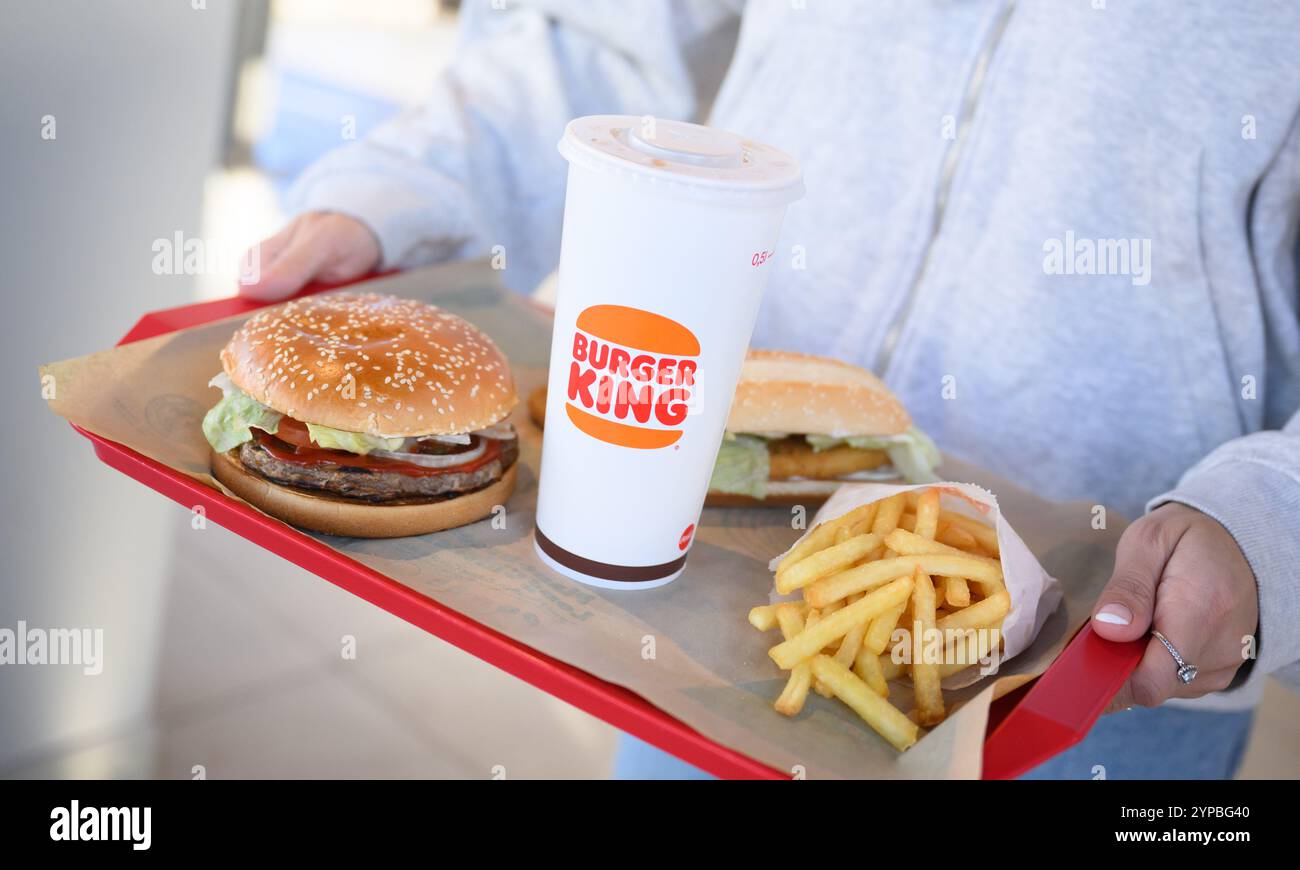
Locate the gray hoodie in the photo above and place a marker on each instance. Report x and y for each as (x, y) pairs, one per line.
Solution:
(1064, 231)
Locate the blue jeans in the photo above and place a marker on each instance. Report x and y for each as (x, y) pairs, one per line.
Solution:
(1160, 743)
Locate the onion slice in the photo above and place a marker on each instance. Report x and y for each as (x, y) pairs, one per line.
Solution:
(433, 460)
(445, 439)
(499, 431)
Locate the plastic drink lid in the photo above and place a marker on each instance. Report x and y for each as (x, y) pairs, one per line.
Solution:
(684, 159)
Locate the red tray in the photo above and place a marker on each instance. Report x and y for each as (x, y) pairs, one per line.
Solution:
(1025, 727)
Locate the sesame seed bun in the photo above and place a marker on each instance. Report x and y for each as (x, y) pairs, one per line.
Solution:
(781, 391)
(375, 364)
(340, 516)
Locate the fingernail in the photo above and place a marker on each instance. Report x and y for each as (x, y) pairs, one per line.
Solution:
(1114, 614)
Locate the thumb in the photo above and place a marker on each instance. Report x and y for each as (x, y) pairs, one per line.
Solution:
(1125, 607)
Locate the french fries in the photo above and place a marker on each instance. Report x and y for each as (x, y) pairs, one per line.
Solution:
(887, 515)
(823, 535)
(956, 592)
(791, 619)
(763, 617)
(907, 543)
(874, 710)
(957, 537)
(843, 533)
(985, 535)
(911, 544)
(899, 563)
(925, 676)
(847, 654)
(981, 614)
(809, 642)
(828, 561)
(872, 574)
(892, 670)
(927, 515)
(867, 666)
(882, 627)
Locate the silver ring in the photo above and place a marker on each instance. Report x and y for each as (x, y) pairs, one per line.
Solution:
(1186, 672)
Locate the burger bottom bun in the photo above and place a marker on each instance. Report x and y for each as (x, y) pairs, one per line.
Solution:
(337, 516)
(780, 493)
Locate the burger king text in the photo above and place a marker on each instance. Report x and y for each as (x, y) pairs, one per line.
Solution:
(623, 391)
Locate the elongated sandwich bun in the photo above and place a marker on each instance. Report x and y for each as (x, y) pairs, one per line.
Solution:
(783, 391)
(780, 493)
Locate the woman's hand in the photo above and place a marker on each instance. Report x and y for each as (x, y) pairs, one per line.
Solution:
(316, 246)
(1182, 571)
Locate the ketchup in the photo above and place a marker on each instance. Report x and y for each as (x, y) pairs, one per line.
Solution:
(292, 443)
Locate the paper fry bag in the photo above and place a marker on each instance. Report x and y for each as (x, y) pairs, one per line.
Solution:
(1034, 593)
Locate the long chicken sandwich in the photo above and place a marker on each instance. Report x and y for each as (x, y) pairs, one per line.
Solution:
(800, 425)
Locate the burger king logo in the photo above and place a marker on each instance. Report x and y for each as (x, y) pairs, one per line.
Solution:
(631, 376)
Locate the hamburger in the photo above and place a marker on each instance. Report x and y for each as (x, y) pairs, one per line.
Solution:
(364, 415)
(801, 425)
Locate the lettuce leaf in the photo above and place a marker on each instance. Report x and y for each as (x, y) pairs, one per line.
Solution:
(353, 442)
(230, 422)
(912, 453)
(742, 466)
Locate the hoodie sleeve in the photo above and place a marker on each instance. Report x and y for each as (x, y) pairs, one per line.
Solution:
(476, 166)
(1251, 486)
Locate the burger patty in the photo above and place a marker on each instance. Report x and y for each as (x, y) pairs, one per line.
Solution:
(376, 487)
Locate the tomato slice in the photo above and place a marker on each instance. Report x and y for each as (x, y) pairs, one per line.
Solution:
(295, 433)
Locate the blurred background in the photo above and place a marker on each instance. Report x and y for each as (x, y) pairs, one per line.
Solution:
(129, 122)
(125, 123)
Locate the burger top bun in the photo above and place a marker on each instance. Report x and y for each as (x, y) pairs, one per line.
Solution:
(781, 391)
(370, 363)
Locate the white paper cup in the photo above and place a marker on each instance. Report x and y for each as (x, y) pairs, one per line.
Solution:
(669, 233)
